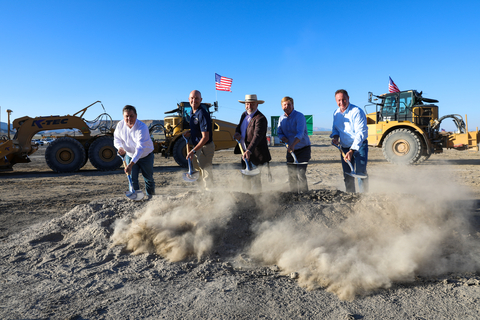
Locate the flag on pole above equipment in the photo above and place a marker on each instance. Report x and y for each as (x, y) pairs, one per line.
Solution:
(223, 83)
(392, 87)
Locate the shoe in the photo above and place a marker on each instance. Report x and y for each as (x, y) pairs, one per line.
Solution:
(147, 197)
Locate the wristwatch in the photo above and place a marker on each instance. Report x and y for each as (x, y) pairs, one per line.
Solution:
(194, 152)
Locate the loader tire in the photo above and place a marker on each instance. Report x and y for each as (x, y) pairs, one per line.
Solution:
(180, 152)
(425, 154)
(103, 154)
(65, 155)
(402, 146)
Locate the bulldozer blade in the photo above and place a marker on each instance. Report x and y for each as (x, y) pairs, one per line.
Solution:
(191, 176)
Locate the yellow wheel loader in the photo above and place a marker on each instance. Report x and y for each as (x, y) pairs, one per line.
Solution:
(66, 154)
(178, 122)
(407, 128)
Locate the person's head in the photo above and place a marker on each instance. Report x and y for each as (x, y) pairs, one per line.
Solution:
(195, 99)
(251, 103)
(287, 105)
(342, 99)
(129, 115)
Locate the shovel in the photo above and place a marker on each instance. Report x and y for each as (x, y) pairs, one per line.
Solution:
(191, 175)
(131, 194)
(251, 169)
(295, 161)
(352, 172)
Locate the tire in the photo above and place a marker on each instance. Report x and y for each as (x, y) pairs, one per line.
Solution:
(403, 147)
(180, 152)
(425, 154)
(65, 155)
(86, 157)
(103, 154)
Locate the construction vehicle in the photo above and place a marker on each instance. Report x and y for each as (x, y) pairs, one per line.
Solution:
(407, 128)
(178, 122)
(65, 154)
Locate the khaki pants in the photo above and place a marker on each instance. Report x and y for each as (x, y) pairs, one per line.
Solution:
(203, 162)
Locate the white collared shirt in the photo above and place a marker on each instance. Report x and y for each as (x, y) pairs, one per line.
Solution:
(135, 141)
(350, 126)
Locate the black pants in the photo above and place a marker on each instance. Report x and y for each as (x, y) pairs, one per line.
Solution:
(297, 178)
(253, 183)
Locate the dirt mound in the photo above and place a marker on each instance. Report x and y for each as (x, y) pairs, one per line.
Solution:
(104, 257)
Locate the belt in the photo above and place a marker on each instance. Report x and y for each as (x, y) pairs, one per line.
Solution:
(303, 148)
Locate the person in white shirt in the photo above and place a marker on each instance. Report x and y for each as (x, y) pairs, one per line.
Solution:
(350, 131)
(132, 140)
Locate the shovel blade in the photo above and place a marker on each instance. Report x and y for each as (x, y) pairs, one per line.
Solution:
(191, 177)
(252, 172)
(135, 195)
(357, 175)
(297, 163)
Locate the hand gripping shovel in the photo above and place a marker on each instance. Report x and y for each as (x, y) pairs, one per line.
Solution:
(251, 169)
(352, 172)
(191, 175)
(131, 194)
(295, 161)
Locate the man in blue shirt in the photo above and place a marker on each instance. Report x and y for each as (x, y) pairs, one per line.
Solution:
(350, 131)
(292, 129)
(201, 136)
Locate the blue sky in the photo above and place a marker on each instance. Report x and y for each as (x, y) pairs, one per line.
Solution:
(58, 57)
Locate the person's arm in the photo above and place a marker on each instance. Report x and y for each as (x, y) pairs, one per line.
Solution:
(118, 140)
(361, 129)
(335, 135)
(141, 137)
(300, 125)
(200, 144)
(291, 147)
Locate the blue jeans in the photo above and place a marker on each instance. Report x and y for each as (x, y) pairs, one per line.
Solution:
(144, 165)
(359, 163)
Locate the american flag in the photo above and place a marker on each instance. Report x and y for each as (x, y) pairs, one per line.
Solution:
(223, 83)
(392, 87)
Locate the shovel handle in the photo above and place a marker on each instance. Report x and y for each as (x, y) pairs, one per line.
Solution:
(246, 160)
(343, 155)
(240, 145)
(292, 153)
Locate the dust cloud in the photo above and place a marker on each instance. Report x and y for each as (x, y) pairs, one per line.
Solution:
(176, 228)
(351, 245)
(419, 229)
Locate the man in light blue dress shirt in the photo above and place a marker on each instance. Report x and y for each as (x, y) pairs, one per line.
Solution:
(350, 131)
(292, 129)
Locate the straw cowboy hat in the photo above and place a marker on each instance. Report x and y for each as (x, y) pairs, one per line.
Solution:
(251, 98)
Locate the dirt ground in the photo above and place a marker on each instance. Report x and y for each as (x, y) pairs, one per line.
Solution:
(73, 247)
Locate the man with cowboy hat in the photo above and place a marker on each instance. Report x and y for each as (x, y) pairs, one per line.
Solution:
(252, 134)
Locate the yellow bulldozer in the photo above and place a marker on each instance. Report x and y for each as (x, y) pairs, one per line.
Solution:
(94, 139)
(65, 154)
(407, 128)
(178, 121)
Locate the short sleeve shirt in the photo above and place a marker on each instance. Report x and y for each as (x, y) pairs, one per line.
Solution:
(200, 121)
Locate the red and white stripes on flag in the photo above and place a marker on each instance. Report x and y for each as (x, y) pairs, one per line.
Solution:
(223, 83)
(392, 87)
